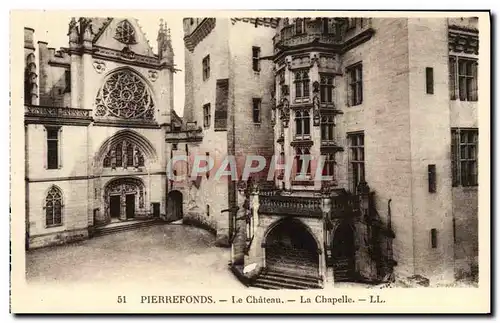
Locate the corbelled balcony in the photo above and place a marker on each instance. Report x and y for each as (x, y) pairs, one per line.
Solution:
(312, 32)
(340, 206)
(290, 205)
(343, 34)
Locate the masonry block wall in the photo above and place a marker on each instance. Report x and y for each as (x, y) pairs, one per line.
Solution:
(384, 117)
(430, 144)
(74, 213)
(201, 91)
(251, 138)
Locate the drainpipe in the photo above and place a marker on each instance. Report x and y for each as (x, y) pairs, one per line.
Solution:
(389, 241)
(389, 218)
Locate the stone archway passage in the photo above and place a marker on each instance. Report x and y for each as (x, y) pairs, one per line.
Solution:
(174, 206)
(343, 252)
(291, 248)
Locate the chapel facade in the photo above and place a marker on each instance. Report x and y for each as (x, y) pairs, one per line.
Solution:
(95, 118)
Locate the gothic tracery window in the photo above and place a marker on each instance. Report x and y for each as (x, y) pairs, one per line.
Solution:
(53, 207)
(125, 33)
(125, 95)
(123, 154)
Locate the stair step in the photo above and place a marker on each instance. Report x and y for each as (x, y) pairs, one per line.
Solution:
(304, 279)
(279, 285)
(264, 285)
(109, 230)
(290, 284)
(287, 280)
(273, 279)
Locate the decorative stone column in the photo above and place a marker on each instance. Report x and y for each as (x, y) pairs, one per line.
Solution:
(123, 205)
(254, 218)
(326, 207)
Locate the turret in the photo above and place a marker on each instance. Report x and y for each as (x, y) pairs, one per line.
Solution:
(165, 50)
(73, 33)
(30, 72)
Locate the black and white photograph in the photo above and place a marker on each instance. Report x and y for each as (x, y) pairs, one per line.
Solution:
(251, 158)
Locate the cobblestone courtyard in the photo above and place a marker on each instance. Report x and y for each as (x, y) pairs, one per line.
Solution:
(177, 255)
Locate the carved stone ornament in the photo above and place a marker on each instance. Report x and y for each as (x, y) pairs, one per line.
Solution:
(284, 89)
(242, 186)
(286, 113)
(127, 53)
(286, 109)
(99, 66)
(314, 60)
(153, 75)
(316, 113)
(315, 87)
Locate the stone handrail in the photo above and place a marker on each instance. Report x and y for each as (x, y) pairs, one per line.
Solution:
(290, 205)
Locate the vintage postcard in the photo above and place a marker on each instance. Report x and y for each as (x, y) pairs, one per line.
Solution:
(250, 162)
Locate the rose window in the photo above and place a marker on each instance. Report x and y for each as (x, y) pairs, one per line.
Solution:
(125, 33)
(125, 95)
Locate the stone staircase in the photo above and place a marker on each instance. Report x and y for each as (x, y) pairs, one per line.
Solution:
(343, 271)
(271, 279)
(125, 226)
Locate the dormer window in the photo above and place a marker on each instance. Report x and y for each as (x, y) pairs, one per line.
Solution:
(299, 26)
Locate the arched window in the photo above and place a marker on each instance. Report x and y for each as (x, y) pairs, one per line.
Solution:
(298, 123)
(53, 207)
(299, 26)
(125, 33)
(329, 165)
(301, 84)
(326, 88)
(124, 95)
(327, 127)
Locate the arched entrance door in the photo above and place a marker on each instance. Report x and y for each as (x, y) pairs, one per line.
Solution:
(290, 247)
(343, 253)
(124, 199)
(174, 206)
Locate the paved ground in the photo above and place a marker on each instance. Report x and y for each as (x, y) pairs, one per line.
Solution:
(183, 256)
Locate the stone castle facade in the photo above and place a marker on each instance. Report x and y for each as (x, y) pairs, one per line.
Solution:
(390, 103)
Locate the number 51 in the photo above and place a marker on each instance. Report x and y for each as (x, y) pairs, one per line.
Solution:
(121, 299)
